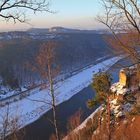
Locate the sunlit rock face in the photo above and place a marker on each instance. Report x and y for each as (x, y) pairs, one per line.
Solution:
(130, 77)
(123, 77)
(125, 91)
(129, 81)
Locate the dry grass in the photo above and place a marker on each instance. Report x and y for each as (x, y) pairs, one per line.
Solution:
(128, 129)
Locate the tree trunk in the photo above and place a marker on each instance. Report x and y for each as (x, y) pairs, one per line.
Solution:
(55, 123)
(108, 117)
(53, 100)
(99, 123)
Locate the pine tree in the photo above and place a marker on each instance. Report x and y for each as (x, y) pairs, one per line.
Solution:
(101, 84)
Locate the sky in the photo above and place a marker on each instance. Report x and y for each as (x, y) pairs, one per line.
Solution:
(68, 13)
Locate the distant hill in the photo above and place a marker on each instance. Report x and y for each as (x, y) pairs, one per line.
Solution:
(58, 29)
(38, 30)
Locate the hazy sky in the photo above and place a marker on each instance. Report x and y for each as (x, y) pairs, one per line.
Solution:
(70, 13)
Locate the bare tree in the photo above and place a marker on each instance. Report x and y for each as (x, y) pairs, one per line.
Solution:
(15, 9)
(45, 64)
(122, 18)
(74, 121)
(10, 125)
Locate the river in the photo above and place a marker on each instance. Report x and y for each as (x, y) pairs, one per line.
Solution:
(42, 128)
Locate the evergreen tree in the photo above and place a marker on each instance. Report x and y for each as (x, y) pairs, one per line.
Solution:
(101, 84)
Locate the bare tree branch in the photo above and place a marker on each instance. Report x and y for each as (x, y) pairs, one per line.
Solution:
(122, 18)
(15, 9)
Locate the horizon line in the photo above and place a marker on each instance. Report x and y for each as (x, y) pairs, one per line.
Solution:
(74, 28)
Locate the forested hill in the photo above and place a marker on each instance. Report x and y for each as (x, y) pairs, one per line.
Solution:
(74, 50)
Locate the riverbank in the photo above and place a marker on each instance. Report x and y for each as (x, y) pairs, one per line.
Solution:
(42, 128)
(29, 110)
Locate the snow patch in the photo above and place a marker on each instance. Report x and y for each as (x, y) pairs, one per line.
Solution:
(31, 110)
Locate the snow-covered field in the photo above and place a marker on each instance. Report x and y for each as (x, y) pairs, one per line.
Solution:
(29, 110)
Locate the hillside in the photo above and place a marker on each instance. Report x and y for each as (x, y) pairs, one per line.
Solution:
(71, 49)
(124, 112)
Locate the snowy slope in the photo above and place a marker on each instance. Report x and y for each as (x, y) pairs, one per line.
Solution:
(29, 110)
(84, 123)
